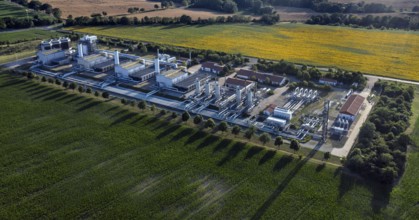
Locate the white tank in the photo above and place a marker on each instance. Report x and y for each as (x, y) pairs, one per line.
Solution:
(197, 86)
(249, 98)
(157, 66)
(116, 57)
(217, 91)
(207, 89)
(238, 95)
(80, 50)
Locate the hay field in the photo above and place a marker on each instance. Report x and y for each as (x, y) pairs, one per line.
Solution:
(195, 13)
(87, 7)
(387, 53)
(397, 4)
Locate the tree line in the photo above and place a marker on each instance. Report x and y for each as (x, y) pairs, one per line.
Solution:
(39, 6)
(380, 153)
(309, 74)
(32, 20)
(370, 21)
(334, 7)
(265, 6)
(99, 20)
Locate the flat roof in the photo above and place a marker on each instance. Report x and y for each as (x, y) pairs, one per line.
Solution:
(92, 57)
(173, 73)
(48, 52)
(143, 72)
(104, 64)
(191, 80)
(238, 82)
(131, 64)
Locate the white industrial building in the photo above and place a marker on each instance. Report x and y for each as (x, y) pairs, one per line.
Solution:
(54, 51)
(89, 61)
(276, 122)
(126, 69)
(88, 44)
(282, 113)
(327, 81)
(47, 57)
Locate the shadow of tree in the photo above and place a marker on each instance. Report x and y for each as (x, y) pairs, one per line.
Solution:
(12, 82)
(196, 136)
(380, 193)
(40, 93)
(185, 132)
(281, 187)
(30, 86)
(111, 109)
(160, 124)
(121, 112)
(76, 98)
(33, 88)
(232, 153)
(168, 131)
(320, 167)
(141, 117)
(89, 105)
(283, 162)
(124, 118)
(268, 156)
(252, 152)
(69, 96)
(222, 145)
(152, 120)
(55, 96)
(207, 141)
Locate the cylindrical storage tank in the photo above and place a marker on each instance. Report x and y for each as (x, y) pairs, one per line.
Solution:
(116, 57)
(197, 86)
(217, 91)
(207, 89)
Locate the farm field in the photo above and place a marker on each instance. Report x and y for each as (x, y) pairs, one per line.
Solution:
(16, 56)
(67, 156)
(195, 13)
(88, 7)
(386, 53)
(397, 4)
(27, 35)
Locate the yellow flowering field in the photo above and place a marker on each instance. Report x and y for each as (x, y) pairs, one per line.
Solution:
(387, 53)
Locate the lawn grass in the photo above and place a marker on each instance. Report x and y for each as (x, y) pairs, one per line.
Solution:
(63, 155)
(28, 35)
(387, 53)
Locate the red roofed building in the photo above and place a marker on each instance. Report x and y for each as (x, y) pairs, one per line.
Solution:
(269, 110)
(351, 107)
(261, 77)
(212, 67)
(232, 83)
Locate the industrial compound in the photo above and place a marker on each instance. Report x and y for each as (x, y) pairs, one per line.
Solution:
(167, 82)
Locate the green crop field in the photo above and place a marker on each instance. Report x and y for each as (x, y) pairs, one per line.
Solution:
(66, 156)
(387, 53)
(27, 35)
